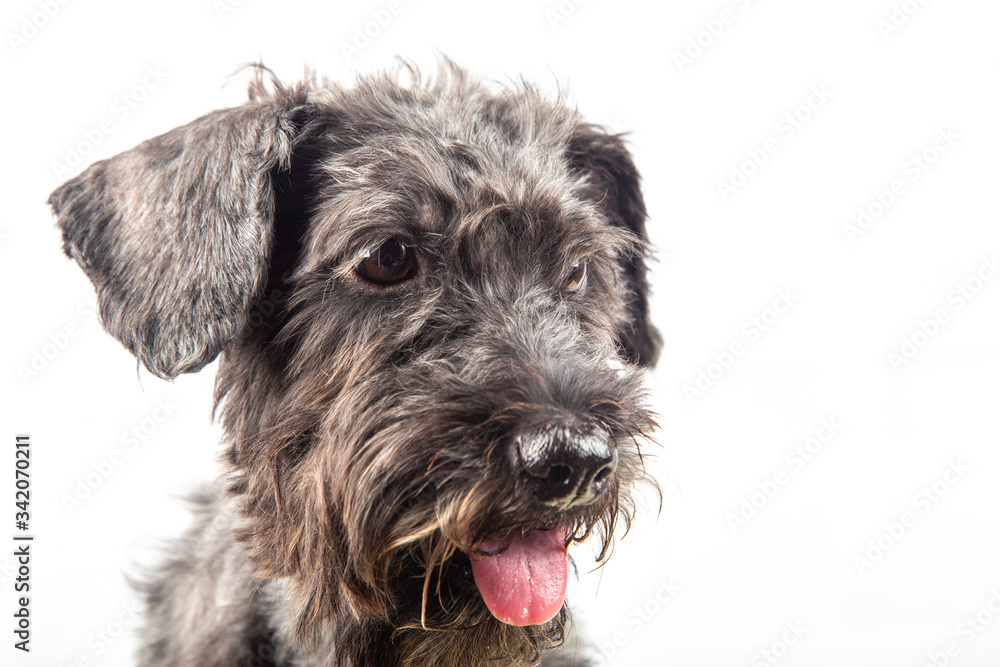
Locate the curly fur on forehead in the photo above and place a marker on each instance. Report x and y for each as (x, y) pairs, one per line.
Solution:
(452, 106)
(446, 154)
(372, 430)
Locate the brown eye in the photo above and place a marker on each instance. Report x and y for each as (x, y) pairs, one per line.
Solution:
(392, 262)
(577, 277)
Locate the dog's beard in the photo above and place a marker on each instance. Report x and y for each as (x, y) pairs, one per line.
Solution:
(453, 598)
(481, 559)
(403, 552)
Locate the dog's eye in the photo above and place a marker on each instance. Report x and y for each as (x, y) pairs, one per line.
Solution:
(390, 263)
(577, 277)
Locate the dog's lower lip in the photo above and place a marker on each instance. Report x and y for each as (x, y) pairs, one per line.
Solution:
(479, 551)
(497, 552)
(498, 541)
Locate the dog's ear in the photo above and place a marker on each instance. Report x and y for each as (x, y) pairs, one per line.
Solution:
(176, 233)
(613, 184)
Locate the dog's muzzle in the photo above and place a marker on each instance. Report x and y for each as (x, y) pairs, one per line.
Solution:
(565, 464)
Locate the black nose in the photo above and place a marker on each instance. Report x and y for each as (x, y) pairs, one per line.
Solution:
(566, 465)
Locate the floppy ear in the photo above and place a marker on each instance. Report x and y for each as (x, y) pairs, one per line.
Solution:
(176, 233)
(614, 187)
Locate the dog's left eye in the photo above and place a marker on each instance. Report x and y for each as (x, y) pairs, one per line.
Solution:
(577, 277)
(392, 262)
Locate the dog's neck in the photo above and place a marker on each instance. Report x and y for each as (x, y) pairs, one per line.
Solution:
(351, 641)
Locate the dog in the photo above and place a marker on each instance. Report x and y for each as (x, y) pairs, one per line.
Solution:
(428, 295)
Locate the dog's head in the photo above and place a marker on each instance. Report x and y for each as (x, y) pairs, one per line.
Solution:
(431, 304)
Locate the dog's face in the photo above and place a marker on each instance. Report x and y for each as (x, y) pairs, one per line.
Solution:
(431, 306)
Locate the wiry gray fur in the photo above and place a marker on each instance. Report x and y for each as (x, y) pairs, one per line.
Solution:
(371, 428)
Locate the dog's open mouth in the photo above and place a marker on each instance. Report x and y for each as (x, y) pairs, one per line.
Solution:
(522, 578)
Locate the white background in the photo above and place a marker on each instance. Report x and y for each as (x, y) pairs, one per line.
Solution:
(826, 551)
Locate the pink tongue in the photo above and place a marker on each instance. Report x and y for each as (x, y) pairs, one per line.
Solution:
(526, 584)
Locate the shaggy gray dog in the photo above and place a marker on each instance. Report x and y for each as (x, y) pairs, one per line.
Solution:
(430, 300)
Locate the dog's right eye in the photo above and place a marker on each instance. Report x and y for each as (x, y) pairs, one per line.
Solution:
(392, 262)
(577, 277)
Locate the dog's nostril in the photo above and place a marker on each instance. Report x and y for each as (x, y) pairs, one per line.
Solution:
(603, 474)
(601, 478)
(559, 477)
